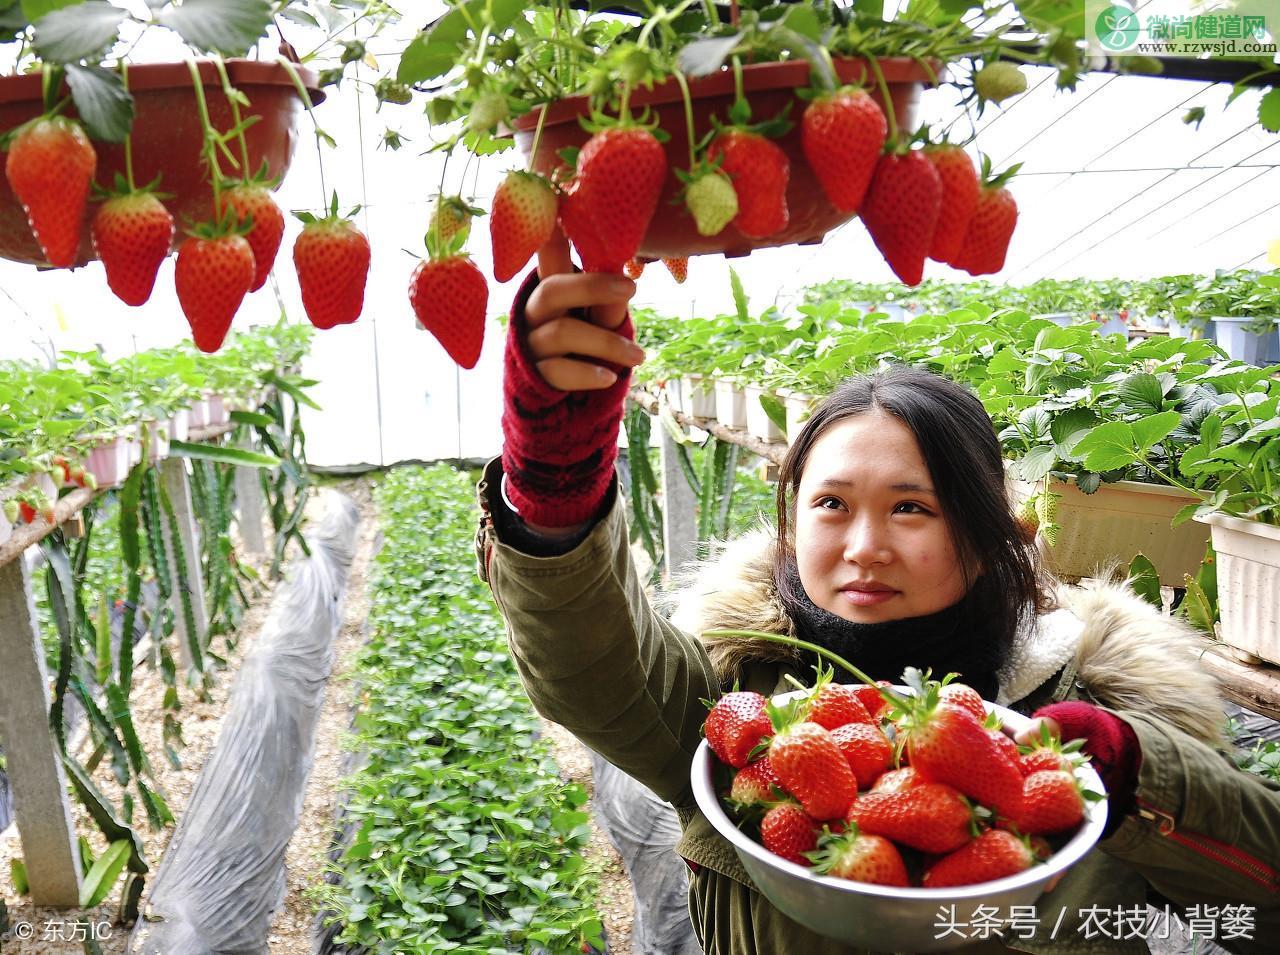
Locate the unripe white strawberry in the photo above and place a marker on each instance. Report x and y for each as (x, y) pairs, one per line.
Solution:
(998, 81)
(712, 201)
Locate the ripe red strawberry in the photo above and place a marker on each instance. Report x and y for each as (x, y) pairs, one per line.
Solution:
(212, 276)
(251, 201)
(786, 831)
(959, 198)
(679, 268)
(760, 171)
(932, 817)
(867, 750)
(871, 698)
(581, 231)
(620, 174)
(986, 240)
(1051, 802)
(634, 268)
(522, 220)
(450, 296)
(947, 745)
(836, 704)
(861, 857)
(811, 766)
(1006, 746)
(964, 697)
(993, 855)
(736, 724)
(898, 780)
(331, 257)
(842, 134)
(27, 512)
(50, 168)
(752, 785)
(1043, 760)
(132, 235)
(901, 210)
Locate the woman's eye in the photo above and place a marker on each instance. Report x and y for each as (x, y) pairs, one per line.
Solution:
(828, 500)
(914, 508)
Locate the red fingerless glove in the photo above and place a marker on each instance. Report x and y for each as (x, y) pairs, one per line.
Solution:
(1111, 744)
(559, 447)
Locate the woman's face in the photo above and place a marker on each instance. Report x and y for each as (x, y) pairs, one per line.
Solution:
(871, 542)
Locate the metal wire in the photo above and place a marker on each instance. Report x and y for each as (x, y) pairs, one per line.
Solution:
(364, 197)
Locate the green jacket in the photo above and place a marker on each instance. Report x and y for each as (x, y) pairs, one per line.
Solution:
(628, 680)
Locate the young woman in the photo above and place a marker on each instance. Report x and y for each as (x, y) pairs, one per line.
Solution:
(895, 545)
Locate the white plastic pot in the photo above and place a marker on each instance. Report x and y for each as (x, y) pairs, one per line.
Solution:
(158, 439)
(218, 413)
(759, 424)
(1238, 342)
(43, 483)
(731, 403)
(799, 407)
(109, 462)
(698, 395)
(1248, 585)
(1116, 523)
(675, 397)
(180, 425)
(198, 414)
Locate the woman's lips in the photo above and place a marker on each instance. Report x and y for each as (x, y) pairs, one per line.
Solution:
(868, 598)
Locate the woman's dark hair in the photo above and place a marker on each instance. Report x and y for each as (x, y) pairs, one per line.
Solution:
(962, 453)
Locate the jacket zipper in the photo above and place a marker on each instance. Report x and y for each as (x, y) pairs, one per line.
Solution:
(1225, 855)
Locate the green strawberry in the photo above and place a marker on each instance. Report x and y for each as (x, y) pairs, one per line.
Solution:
(998, 81)
(712, 200)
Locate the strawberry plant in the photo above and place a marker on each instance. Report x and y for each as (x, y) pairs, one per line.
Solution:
(431, 867)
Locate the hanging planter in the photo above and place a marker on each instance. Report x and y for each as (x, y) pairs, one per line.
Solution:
(770, 88)
(167, 137)
(108, 462)
(731, 403)
(698, 396)
(1248, 585)
(759, 424)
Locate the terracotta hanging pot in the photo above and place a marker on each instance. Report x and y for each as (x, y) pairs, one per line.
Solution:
(769, 88)
(168, 138)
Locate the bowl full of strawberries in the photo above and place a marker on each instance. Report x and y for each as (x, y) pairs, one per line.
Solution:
(874, 813)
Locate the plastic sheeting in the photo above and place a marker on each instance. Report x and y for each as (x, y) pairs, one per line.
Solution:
(223, 874)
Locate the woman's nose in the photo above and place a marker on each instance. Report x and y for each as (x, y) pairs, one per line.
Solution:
(866, 542)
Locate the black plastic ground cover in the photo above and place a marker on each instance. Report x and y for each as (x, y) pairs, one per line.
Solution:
(222, 877)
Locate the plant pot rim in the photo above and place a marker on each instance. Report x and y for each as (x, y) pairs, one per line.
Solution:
(1244, 525)
(153, 76)
(1136, 487)
(785, 74)
(1243, 319)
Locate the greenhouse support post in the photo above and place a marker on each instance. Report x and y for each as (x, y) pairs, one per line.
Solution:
(177, 484)
(679, 517)
(250, 507)
(35, 770)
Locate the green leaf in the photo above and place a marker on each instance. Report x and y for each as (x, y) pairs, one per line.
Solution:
(229, 27)
(78, 33)
(35, 9)
(1142, 394)
(224, 455)
(104, 105)
(1145, 581)
(804, 20)
(252, 417)
(704, 57)
(1151, 430)
(739, 297)
(1107, 447)
(101, 879)
(776, 410)
(18, 873)
(441, 47)
(1036, 463)
(1269, 110)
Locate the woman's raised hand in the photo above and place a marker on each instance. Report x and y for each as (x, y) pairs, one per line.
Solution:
(565, 348)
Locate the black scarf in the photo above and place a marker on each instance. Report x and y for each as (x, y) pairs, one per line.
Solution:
(951, 640)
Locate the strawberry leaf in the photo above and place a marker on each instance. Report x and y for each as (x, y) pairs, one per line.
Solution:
(104, 105)
(77, 33)
(230, 27)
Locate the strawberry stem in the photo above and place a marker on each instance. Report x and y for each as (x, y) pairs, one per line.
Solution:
(688, 114)
(888, 99)
(232, 97)
(128, 139)
(210, 135)
(306, 102)
(802, 644)
(537, 136)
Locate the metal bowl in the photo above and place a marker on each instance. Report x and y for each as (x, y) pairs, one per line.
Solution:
(884, 918)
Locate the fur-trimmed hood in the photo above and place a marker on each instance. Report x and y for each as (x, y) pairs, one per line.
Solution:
(1126, 653)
